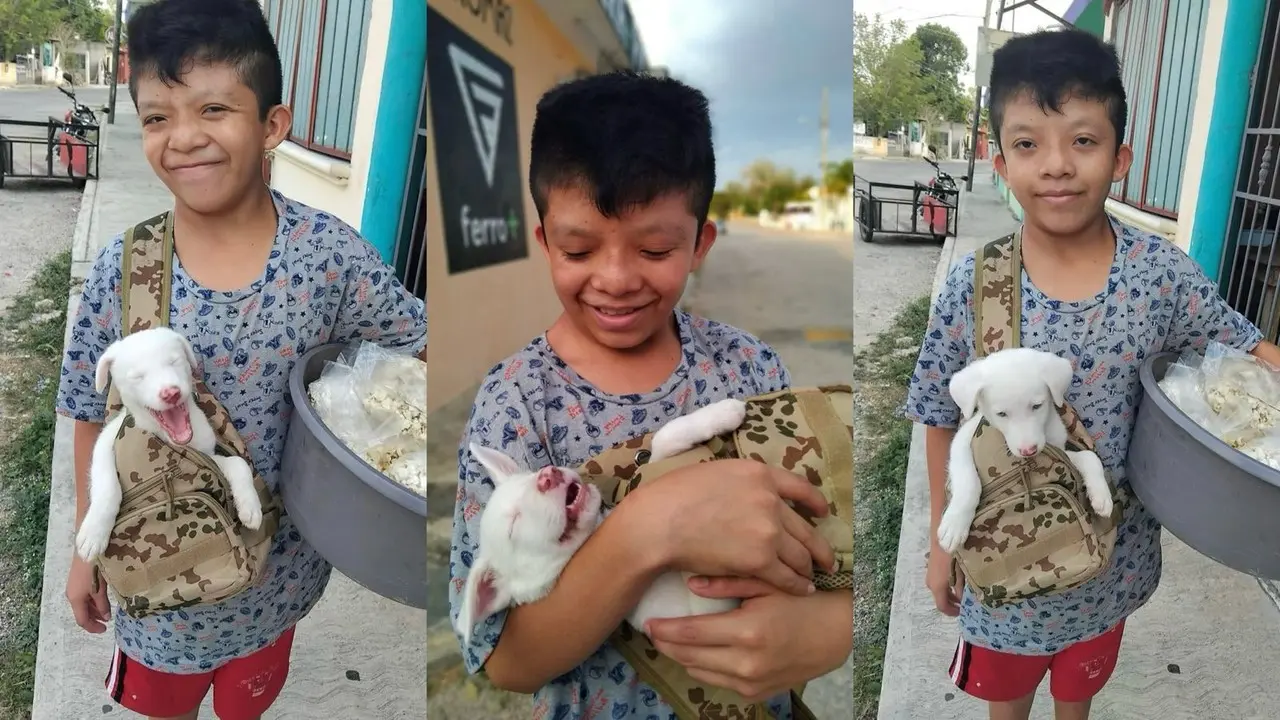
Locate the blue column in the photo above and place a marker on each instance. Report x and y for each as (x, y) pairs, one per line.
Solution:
(402, 78)
(1240, 39)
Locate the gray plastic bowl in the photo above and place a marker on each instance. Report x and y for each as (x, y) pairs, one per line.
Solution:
(1219, 501)
(365, 525)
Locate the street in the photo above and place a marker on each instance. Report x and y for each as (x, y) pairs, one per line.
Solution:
(891, 271)
(38, 216)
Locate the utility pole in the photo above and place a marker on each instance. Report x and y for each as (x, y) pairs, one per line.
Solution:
(977, 102)
(823, 131)
(115, 63)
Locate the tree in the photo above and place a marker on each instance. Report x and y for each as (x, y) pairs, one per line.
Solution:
(721, 205)
(838, 177)
(88, 20)
(887, 88)
(944, 58)
(25, 24)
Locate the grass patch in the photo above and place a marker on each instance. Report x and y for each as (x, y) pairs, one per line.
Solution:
(882, 371)
(32, 359)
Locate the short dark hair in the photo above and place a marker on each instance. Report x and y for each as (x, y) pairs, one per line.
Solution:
(625, 138)
(167, 37)
(1053, 66)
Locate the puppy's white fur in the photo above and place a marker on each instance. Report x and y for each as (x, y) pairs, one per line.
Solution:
(153, 370)
(535, 521)
(1018, 392)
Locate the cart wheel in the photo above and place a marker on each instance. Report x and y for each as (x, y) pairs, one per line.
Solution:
(78, 183)
(940, 239)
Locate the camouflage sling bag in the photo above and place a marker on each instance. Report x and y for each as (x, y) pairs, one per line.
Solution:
(1035, 532)
(806, 431)
(177, 540)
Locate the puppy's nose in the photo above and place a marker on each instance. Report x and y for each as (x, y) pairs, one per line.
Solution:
(550, 479)
(1028, 451)
(170, 394)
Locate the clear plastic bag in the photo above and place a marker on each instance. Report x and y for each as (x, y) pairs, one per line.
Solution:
(374, 400)
(1230, 393)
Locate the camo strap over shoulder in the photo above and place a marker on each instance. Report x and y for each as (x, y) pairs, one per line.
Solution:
(176, 542)
(807, 431)
(1034, 532)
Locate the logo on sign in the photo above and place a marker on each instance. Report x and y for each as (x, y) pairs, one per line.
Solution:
(483, 105)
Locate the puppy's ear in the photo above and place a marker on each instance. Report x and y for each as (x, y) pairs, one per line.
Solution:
(191, 358)
(499, 465)
(1057, 373)
(966, 385)
(102, 374)
(482, 597)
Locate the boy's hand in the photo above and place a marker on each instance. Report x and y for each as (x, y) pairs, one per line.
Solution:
(938, 578)
(773, 642)
(88, 603)
(729, 517)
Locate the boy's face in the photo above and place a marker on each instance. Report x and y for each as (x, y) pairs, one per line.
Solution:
(619, 279)
(205, 138)
(1060, 166)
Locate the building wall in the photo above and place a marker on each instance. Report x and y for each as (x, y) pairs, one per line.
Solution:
(490, 312)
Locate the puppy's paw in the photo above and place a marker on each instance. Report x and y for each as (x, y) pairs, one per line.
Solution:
(94, 536)
(953, 529)
(1101, 501)
(249, 510)
(723, 416)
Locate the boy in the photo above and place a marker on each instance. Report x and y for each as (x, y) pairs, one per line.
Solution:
(1099, 293)
(257, 280)
(621, 171)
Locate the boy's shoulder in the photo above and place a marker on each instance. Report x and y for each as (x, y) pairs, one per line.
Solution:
(715, 337)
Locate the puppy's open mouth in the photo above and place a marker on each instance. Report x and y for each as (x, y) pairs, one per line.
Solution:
(176, 423)
(575, 499)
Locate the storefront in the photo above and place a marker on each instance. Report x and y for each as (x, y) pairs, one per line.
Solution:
(487, 65)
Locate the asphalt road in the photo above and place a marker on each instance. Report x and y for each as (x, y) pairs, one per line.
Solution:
(891, 271)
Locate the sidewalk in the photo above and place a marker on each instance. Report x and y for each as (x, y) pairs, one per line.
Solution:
(356, 657)
(1207, 645)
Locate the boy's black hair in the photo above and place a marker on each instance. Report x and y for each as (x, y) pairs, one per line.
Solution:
(1053, 66)
(626, 139)
(168, 37)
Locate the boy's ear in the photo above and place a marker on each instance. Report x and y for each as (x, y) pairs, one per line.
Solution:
(1124, 161)
(702, 244)
(278, 123)
(541, 236)
(998, 163)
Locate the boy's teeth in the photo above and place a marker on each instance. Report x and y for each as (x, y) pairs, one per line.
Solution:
(607, 311)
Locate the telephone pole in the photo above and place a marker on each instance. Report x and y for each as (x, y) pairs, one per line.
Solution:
(115, 63)
(823, 132)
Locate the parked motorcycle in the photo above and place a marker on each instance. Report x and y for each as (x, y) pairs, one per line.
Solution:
(76, 138)
(939, 199)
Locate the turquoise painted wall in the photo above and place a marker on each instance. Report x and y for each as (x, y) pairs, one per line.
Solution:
(1092, 19)
(402, 78)
(1241, 37)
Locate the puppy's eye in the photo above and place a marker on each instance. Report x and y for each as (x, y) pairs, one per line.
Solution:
(1002, 414)
(135, 376)
(1037, 406)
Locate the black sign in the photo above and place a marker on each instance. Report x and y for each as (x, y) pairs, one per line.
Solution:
(473, 113)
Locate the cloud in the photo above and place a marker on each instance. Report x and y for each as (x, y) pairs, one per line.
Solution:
(762, 64)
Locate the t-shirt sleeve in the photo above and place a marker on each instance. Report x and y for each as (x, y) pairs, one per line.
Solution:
(947, 345)
(1201, 316)
(500, 420)
(95, 326)
(375, 305)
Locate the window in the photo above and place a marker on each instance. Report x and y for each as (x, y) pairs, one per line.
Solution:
(1159, 43)
(411, 241)
(322, 55)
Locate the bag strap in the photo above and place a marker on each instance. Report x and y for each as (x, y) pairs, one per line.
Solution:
(997, 314)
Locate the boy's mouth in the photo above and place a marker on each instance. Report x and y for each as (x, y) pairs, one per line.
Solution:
(1059, 197)
(616, 318)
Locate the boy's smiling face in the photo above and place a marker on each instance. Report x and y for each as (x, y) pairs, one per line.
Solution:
(619, 279)
(1060, 166)
(206, 138)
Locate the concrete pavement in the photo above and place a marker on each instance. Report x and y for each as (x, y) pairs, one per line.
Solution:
(1206, 646)
(356, 656)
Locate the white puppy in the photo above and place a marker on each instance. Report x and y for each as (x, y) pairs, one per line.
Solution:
(152, 370)
(535, 521)
(1018, 392)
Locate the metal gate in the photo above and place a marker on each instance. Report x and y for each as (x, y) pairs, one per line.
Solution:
(1250, 268)
(411, 237)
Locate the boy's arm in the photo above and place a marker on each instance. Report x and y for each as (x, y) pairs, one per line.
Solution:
(375, 306)
(1201, 316)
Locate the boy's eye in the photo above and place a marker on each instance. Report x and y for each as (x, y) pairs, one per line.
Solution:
(656, 254)
(575, 255)
(1023, 144)
(152, 119)
(1085, 141)
(215, 108)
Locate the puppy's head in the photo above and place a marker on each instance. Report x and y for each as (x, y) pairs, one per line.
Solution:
(1018, 391)
(152, 370)
(531, 526)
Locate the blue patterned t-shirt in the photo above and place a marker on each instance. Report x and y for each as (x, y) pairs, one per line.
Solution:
(322, 283)
(1156, 300)
(536, 409)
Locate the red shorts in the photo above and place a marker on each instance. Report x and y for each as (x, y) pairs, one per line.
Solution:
(1076, 673)
(243, 689)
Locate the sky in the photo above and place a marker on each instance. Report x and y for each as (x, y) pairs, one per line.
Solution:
(964, 17)
(762, 65)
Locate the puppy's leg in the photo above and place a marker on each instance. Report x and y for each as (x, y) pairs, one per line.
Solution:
(1095, 480)
(966, 490)
(240, 478)
(104, 496)
(697, 427)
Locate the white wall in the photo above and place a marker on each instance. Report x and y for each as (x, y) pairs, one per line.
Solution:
(328, 184)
